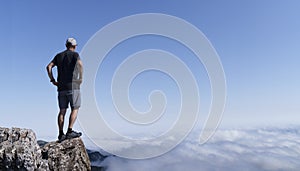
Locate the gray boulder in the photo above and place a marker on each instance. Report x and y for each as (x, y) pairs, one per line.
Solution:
(67, 155)
(19, 150)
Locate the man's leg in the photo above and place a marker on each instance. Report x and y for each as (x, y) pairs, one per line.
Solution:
(60, 122)
(75, 101)
(63, 105)
(71, 133)
(72, 118)
(61, 119)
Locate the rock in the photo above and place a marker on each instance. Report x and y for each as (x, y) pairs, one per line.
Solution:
(19, 150)
(95, 157)
(95, 168)
(67, 155)
(42, 143)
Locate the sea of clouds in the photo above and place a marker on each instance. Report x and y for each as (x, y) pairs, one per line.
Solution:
(232, 149)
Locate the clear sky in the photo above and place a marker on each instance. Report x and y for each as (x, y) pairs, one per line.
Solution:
(257, 42)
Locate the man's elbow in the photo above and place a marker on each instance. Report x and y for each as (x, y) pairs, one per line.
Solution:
(48, 67)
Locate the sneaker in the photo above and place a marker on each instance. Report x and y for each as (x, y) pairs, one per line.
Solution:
(73, 134)
(61, 138)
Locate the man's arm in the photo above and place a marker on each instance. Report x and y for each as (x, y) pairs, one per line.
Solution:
(50, 74)
(80, 67)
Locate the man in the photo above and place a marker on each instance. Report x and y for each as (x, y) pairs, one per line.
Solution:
(69, 78)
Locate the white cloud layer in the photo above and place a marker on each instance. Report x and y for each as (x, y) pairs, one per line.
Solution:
(233, 150)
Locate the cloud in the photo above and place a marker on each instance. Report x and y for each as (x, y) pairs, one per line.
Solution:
(234, 150)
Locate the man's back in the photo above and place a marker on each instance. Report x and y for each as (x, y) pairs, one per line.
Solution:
(66, 69)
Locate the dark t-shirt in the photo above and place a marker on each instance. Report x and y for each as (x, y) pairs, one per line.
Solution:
(67, 70)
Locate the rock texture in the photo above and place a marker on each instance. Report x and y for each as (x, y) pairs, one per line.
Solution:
(67, 155)
(19, 150)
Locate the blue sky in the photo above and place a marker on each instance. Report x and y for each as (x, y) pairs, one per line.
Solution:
(257, 42)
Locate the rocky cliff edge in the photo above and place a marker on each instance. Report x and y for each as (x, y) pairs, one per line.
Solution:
(19, 150)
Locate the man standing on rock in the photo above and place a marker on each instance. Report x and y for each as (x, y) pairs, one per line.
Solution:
(69, 78)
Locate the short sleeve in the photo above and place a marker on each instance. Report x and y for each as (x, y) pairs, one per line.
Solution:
(54, 60)
(77, 56)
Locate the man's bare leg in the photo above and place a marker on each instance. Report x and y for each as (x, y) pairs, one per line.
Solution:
(60, 122)
(73, 117)
(71, 133)
(61, 119)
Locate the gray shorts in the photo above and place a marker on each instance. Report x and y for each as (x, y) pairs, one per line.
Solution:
(71, 97)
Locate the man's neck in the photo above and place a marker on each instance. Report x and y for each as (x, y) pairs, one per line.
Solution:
(71, 49)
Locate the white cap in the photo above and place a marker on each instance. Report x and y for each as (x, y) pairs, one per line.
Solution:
(71, 41)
